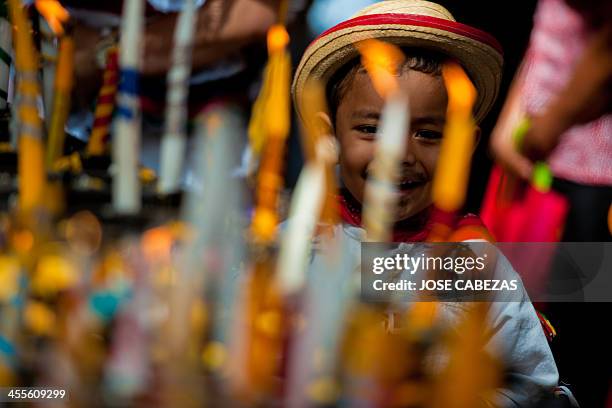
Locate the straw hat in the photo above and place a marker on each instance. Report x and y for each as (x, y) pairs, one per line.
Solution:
(406, 23)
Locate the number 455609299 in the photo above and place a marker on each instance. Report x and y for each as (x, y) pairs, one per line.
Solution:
(31, 394)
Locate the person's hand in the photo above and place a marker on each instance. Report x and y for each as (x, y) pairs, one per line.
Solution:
(223, 28)
(541, 137)
(502, 144)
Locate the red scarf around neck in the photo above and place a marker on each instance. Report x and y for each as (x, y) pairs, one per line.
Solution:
(418, 227)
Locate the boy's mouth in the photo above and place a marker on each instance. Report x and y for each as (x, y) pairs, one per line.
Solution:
(409, 184)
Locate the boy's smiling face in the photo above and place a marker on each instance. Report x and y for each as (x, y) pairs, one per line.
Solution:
(356, 123)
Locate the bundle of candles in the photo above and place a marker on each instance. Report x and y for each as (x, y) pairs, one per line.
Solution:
(211, 306)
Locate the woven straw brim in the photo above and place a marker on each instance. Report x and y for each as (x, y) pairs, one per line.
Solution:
(330, 51)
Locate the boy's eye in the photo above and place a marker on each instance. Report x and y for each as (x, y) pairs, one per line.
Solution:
(428, 134)
(369, 129)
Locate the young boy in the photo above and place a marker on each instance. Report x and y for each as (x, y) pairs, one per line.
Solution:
(428, 35)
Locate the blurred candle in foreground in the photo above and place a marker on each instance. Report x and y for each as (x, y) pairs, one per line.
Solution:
(105, 105)
(126, 138)
(271, 114)
(306, 206)
(275, 126)
(52, 15)
(61, 100)
(263, 325)
(174, 139)
(31, 161)
(473, 371)
(452, 173)
(5, 56)
(381, 61)
(311, 198)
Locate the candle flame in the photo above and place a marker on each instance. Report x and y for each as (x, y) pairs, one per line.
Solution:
(54, 14)
(381, 60)
(461, 91)
(452, 173)
(278, 38)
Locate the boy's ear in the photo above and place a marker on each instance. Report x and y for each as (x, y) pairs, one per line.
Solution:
(326, 122)
(331, 150)
(477, 134)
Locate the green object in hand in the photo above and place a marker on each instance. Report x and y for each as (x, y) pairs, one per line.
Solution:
(519, 133)
(542, 177)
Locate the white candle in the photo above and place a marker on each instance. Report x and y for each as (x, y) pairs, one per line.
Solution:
(306, 205)
(174, 139)
(330, 293)
(126, 137)
(212, 210)
(48, 49)
(5, 60)
(380, 196)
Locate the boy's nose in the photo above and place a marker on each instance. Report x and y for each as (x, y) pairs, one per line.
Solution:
(409, 158)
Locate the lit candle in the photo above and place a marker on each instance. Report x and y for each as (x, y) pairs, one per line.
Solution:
(174, 139)
(276, 118)
(52, 15)
(5, 56)
(268, 98)
(105, 106)
(381, 61)
(309, 202)
(306, 205)
(32, 175)
(380, 195)
(126, 138)
(452, 173)
(264, 322)
(61, 100)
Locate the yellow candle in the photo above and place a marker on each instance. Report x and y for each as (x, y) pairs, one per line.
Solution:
(61, 100)
(452, 173)
(105, 106)
(31, 162)
(271, 109)
(52, 16)
(264, 314)
(276, 120)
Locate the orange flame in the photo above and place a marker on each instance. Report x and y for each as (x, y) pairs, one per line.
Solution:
(461, 91)
(381, 60)
(54, 14)
(278, 38)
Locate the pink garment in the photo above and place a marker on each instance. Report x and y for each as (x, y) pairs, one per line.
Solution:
(584, 154)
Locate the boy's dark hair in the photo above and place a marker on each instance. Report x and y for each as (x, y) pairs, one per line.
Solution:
(426, 61)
